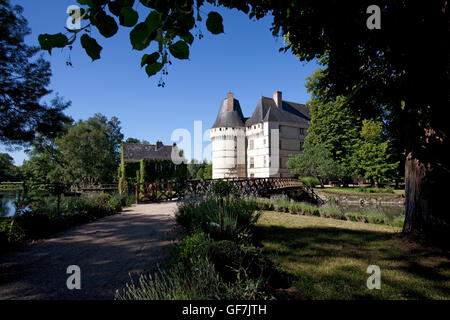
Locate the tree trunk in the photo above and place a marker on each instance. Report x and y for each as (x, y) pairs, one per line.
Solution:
(425, 193)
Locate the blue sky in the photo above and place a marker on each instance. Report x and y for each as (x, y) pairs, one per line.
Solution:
(244, 60)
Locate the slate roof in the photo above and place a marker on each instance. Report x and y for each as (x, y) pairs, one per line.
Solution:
(267, 110)
(136, 152)
(232, 118)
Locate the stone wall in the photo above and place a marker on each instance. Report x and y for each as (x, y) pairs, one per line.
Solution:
(361, 198)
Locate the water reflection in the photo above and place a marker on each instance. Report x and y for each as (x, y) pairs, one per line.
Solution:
(7, 207)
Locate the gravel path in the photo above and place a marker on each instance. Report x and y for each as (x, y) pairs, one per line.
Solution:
(106, 251)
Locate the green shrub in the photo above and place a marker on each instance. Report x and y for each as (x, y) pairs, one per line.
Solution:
(376, 216)
(239, 218)
(178, 282)
(332, 211)
(309, 182)
(375, 190)
(398, 221)
(210, 270)
(352, 216)
(195, 245)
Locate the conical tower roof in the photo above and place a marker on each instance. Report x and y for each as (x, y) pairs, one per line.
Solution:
(230, 113)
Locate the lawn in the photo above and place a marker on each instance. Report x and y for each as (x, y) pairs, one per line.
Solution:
(329, 258)
(363, 190)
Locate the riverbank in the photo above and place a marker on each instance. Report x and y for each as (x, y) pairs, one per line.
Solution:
(331, 210)
(352, 196)
(40, 219)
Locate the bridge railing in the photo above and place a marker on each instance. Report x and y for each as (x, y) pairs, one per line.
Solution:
(157, 191)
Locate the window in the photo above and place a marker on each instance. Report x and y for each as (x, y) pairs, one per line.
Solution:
(264, 141)
(252, 162)
(252, 176)
(301, 145)
(252, 145)
(302, 131)
(265, 161)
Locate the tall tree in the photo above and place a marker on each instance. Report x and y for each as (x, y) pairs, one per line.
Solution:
(403, 65)
(91, 149)
(333, 124)
(24, 82)
(8, 170)
(372, 157)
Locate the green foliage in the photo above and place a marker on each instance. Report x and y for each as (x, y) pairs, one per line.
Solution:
(8, 171)
(179, 50)
(372, 156)
(315, 161)
(330, 210)
(38, 218)
(24, 82)
(239, 218)
(222, 188)
(205, 269)
(200, 174)
(48, 41)
(128, 17)
(86, 153)
(214, 23)
(177, 283)
(194, 167)
(374, 190)
(334, 123)
(157, 170)
(91, 46)
(309, 182)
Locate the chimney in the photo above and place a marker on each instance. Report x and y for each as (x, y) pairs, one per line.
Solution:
(230, 101)
(277, 97)
(159, 145)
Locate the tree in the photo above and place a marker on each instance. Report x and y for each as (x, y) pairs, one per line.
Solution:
(315, 161)
(372, 156)
(91, 149)
(403, 66)
(8, 170)
(23, 83)
(132, 140)
(193, 167)
(208, 171)
(333, 124)
(200, 174)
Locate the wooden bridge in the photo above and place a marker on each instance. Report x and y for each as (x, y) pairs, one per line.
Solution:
(159, 191)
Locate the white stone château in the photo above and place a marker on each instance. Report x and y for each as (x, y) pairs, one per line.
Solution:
(259, 146)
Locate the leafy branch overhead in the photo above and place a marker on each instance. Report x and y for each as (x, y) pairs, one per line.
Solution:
(169, 24)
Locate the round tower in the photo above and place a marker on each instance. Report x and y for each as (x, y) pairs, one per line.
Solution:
(228, 141)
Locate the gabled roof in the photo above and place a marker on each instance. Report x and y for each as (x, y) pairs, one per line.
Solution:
(232, 118)
(136, 152)
(267, 110)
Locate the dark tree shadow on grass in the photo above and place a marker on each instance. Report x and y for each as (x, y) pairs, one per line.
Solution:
(330, 263)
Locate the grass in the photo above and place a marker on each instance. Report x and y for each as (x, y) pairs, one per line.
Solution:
(329, 258)
(330, 210)
(364, 190)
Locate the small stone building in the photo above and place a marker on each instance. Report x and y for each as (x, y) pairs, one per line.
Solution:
(149, 163)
